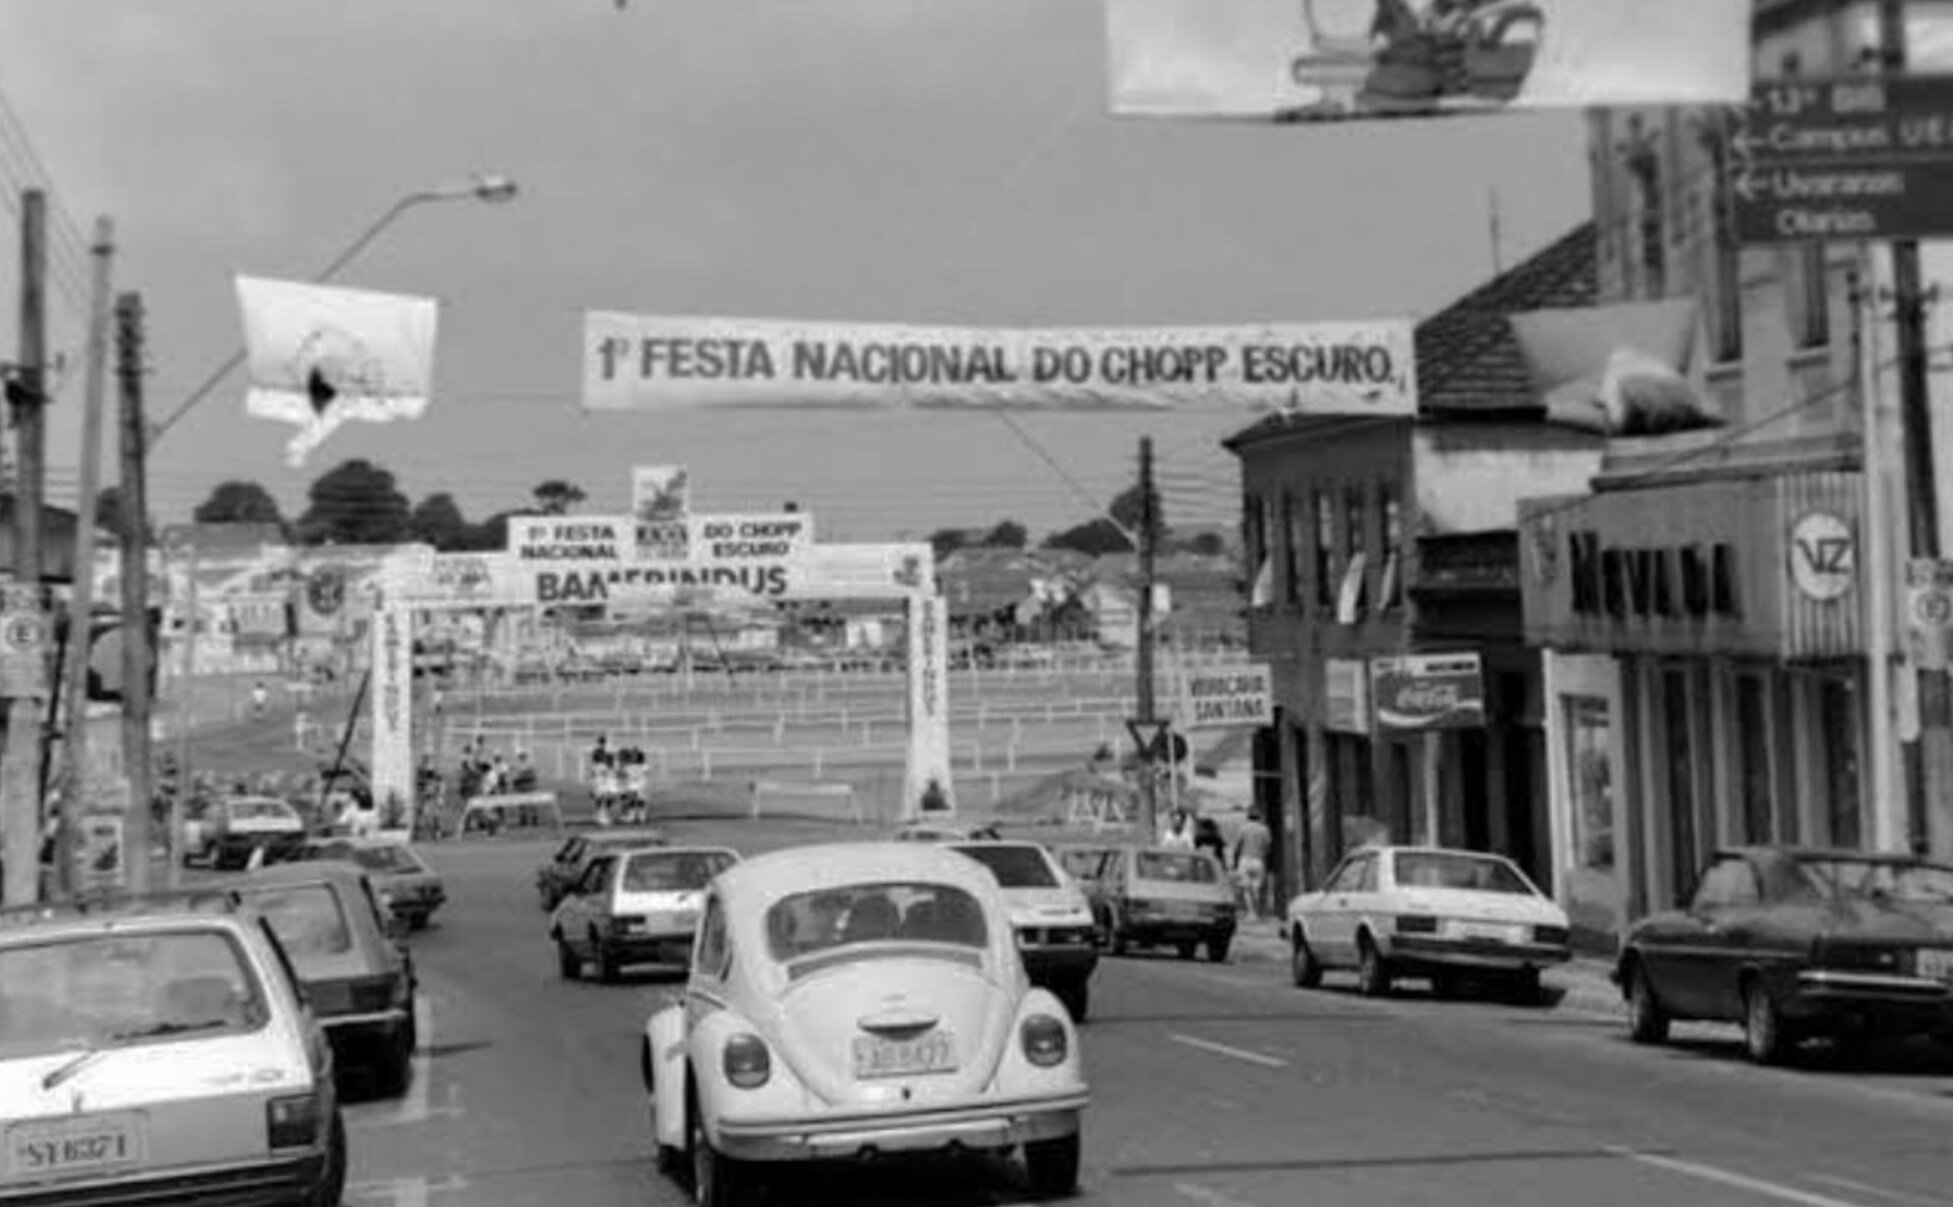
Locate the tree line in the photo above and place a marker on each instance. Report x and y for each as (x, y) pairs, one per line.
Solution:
(360, 503)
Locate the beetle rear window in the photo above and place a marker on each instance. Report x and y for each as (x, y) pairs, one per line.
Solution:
(904, 912)
(107, 990)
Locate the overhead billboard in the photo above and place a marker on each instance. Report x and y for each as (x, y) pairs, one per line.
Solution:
(710, 539)
(654, 362)
(1328, 60)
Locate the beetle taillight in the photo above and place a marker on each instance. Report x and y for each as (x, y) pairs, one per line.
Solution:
(746, 1061)
(1046, 1043)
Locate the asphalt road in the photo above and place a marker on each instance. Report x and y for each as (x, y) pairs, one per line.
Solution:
(1213, 1087)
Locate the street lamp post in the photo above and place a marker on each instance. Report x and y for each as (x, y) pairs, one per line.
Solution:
(488, 187)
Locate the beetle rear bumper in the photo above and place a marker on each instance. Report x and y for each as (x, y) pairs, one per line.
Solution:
(846, 1137)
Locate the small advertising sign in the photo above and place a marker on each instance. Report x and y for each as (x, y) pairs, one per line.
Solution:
(1346, 696)
(98, 851)
(1227, 698)
(660, 492)
(1929, 612)
(1429, 691)
(23, 644)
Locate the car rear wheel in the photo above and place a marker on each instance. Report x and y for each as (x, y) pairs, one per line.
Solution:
(1647, 1021)
(569, 965)
(608, 969)
(1053, 1165)
(1764, 1035)
(1187, 950)
(1372, 972)
(332, 1179)
(717, 1180)
(1217, 946)
(393, 1066)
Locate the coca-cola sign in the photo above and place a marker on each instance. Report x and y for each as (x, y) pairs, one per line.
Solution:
(1429, 691)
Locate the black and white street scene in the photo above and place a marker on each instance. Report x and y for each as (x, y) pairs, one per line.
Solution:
(970, 603)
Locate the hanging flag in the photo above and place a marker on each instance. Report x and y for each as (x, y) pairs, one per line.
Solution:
(319, 357)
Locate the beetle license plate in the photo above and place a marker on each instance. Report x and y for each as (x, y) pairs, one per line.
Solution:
(79, 1145)
(877, 1056)
(1936, 964)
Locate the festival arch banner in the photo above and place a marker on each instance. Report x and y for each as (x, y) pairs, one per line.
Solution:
(654, 363)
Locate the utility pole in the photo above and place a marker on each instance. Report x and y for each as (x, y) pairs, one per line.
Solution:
(81, 599)
(20, 764)
(189, 614)
(1148, 718)
(137, 656)
(1929, 758)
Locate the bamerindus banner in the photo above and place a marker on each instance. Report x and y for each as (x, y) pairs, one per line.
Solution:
(650, 362)
(1327, 60)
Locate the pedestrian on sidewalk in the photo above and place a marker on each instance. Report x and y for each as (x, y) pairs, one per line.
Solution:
(1251, 848)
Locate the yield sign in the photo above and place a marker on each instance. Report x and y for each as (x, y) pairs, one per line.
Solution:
(1153, 747)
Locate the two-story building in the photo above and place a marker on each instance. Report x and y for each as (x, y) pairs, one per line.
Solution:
(1372, 539)
(1702, 603)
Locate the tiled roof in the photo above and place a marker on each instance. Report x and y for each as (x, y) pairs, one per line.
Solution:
(1467, 356)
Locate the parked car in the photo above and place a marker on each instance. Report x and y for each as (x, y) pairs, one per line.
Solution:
(1430, 912)
(565, 866)
(1055, 931)
(1799, 943)
(634, 906)
(865, 999)
(407, 885)
(233, 828)
(128, 1033)
(1147, 897)
(357, 975)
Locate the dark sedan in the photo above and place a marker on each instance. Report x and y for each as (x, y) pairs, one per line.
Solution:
(1798, 944)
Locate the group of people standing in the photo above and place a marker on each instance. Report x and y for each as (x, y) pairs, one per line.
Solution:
(1247, 859)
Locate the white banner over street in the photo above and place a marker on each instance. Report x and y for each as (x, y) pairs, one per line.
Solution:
(1340, 59)
(650, 362)
(319, 356)
(708, 540)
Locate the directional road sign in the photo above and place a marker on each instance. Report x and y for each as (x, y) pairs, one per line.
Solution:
(1853, 158)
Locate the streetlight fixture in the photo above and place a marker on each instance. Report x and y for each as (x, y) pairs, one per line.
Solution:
(489, 187)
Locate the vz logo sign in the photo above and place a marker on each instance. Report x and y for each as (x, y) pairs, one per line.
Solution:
(1823, 556)
(1827, 555)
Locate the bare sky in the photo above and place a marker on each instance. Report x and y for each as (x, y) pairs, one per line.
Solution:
(927, 161)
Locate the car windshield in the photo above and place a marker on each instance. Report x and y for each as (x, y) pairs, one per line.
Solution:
(103, 990)
(1879, 880)
(391, 859)
(1177, 866)
(261, 810)
(673, 871)
(805, 923)
(1450, 870)
(1013, 866)
(305, 917)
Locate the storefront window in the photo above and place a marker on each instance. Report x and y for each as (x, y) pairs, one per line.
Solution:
(1838, 702)
(1291, 553)
(1590, 772)
(1325, 509)
(1753, 732)
(1680, 756)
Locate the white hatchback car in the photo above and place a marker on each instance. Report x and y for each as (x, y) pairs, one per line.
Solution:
(854, 1000)
(158, 1051)
(1057, 936)
(1426, 912)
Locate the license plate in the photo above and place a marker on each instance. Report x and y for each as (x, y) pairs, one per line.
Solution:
(74, 1145)
(1184, 909)
(1936, 964)
(876, 1056)
(1486, 932)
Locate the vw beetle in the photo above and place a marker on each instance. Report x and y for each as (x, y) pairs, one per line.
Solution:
(853, 1001)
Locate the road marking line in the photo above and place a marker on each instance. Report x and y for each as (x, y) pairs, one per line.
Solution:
(1208, 1045)
(1208, 1196)
(1737, 1181)
(1895, 1196)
